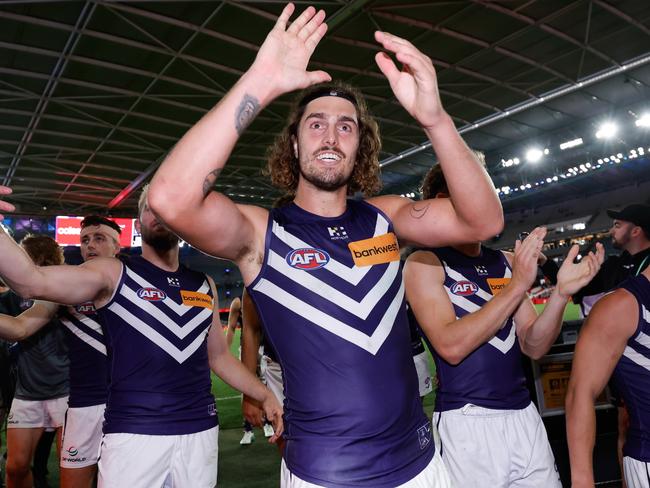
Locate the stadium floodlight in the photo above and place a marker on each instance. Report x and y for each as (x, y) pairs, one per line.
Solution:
(607, 130)
(533, 155)
(643, 122)
(571, 143)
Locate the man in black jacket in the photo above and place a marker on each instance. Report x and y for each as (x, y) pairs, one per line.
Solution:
(631, 233)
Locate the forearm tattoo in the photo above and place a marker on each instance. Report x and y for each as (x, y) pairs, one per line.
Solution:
(246, 112)
(210, 180)
(418, 211)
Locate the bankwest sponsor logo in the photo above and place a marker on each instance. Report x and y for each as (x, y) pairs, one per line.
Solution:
(497, 284)
(307, 258)
(376, 250)
(196, 299)
(151, 294)
(464, 288)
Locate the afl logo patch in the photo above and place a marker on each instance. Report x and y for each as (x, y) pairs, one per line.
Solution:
(464, 288)
(307, 258)
(151, 294)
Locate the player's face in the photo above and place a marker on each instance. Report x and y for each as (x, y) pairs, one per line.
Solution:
(96, 242)
(154, 232)
(621, 233)
(328, 139)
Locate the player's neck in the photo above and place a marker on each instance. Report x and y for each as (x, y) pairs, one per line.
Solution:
(637, 246)
(472, 250)
(320, 202)
(167, 259)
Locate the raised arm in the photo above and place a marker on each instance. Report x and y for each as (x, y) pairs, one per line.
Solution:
(69, 285)
(233, 372)
(251, 338)
(538, 333)
(27, 323)
(474, 211)
(181, 191)
(452, 338)
(600, 345)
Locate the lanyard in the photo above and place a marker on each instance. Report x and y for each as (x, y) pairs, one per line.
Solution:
(638, 271)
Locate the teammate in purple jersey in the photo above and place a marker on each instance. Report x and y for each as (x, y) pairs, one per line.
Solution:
(471, 303)
(614, 341)
(82, 430)
(161, 420)
(324, 271)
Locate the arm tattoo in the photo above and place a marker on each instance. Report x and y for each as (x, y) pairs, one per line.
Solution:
(418, 212)
(246, 112)
(210, 180)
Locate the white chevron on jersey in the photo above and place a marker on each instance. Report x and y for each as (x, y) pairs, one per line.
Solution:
(637, 357)
(179, 308)
(361, 309)
(88, 339)
(643, 339)
(645, 313)
(162, 317)
(352, 275)
(371, 343)
(179, 355)
(87, 321)
(506, 344)
(503, 345)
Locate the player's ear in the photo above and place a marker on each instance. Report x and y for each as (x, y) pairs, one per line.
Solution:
(294, 144)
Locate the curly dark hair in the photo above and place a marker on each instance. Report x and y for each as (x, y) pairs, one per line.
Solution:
(283, 166)
(43, 250)
(434, 181)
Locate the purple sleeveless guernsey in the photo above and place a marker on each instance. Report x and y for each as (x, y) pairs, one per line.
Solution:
(87, 352)
(156, 325)
(492, 375)
(352, 411)
(632, 374)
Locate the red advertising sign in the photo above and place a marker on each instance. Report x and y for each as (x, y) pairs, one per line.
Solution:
(69, 228)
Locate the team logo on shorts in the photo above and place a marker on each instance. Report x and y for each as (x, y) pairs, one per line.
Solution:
(424, 435)
(307, 258)
(151, 294)
(73, 451)
(464, 288)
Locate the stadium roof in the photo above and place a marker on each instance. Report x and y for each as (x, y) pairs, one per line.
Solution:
(94, 93)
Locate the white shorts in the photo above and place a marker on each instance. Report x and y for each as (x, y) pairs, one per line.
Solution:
(272, 376)
(31, 414)
(82, 434)
(483, 447)
(153, 461)
(424, 373)
(637, 473)
(433, 476)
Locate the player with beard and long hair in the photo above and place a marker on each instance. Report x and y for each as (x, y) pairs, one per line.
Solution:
(161, 423)
(324, 271)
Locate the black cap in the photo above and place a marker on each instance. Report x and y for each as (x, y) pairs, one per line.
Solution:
(638, 214)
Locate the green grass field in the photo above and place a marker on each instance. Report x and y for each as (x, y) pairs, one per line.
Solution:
(257, 465)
